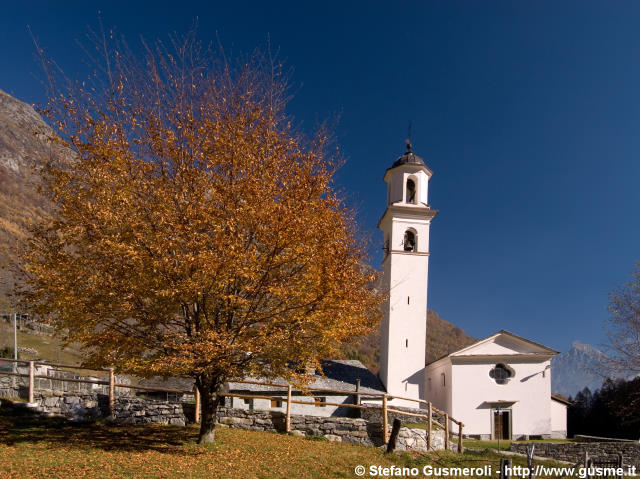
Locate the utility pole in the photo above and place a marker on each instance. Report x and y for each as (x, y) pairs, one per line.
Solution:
(15, 348)
(15, 336)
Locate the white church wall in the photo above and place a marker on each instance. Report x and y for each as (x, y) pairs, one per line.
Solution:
(558, 420)
(383, 374)
(438, 385)
(396, 189)
(403, 329)
(407, 311)
(311, 409)
(473, 391)
(421, 229)
(398, 182)
(424, 187)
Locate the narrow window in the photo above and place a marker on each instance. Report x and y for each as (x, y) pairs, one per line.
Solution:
(408, 300)
(411, 191)
(406, 343)
(429, 384)
(406, 385)
(409, 241)
(444, 380)
(249, 403)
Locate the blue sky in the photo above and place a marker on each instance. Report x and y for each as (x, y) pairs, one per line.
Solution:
(528, 113)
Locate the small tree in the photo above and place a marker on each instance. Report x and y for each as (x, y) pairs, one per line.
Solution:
(623, 335)
(196, 233)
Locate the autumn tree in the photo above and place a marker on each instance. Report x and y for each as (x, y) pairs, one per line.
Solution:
(623, 334)
(197, 233)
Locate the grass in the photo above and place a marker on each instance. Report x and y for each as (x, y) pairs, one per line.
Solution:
(32, 446)
(49, 348)
(479, 444)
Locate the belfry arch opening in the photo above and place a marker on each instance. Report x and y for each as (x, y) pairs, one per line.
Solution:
(410, 192)
(410, 241)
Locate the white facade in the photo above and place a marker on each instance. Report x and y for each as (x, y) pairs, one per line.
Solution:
(500, 386)
(558, 417)
(310, 409)
(405, 224)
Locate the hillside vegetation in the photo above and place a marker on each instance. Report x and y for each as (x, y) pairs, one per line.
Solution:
(24, 148)
(46, 347)
(442, 338)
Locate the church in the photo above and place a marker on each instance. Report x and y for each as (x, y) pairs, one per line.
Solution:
(499, 387)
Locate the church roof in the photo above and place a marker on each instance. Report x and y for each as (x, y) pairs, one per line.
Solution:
(340, 374)
(562, 399)
(409, 158)
(530, 347)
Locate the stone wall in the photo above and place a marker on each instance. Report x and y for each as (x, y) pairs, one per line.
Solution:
(10, 386)
(337, 429)
(583, 438)
(574, 451)
(89, 405)
(126, 409)
(77, 406)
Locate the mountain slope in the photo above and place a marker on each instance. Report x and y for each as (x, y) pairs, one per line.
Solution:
(576, 369)
(442, 338)
(24, 148)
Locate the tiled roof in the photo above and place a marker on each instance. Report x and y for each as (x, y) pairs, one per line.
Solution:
(340, 374)
(409, 158)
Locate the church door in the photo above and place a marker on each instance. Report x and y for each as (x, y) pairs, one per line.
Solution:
(502, 424)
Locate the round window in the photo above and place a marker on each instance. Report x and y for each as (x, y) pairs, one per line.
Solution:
(501, 374)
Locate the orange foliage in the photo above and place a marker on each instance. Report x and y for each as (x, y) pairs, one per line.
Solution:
(197, 233)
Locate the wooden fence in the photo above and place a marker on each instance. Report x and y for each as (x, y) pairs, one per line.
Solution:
(434, 418)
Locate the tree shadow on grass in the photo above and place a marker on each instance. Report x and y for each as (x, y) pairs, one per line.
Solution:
(20, 425)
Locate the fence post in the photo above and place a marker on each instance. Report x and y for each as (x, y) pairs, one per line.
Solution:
(384, 418)
(505, 468)
(395, 430)
(196, 417)
(111, 390)
(429, 427)
(287, 425)
(460, 447)
(446, 431)
(530, 451)
(31, 380)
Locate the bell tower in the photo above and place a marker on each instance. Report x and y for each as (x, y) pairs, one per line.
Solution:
(405, 225)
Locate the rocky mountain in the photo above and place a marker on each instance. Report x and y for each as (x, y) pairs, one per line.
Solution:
(442, 338)
(24, 148)
(579, 367)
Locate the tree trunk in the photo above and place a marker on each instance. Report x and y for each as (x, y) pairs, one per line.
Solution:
(209, 388)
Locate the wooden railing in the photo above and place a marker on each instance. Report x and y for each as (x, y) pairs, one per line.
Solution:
(434, 417)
